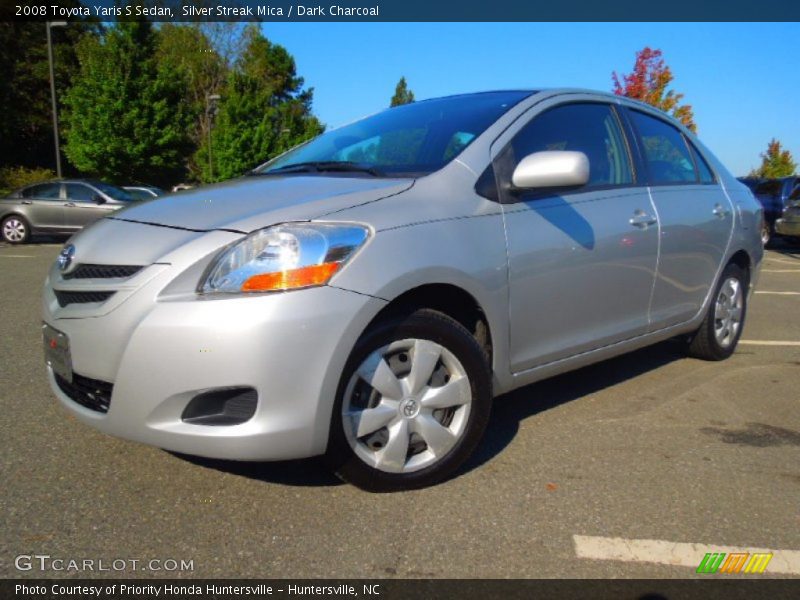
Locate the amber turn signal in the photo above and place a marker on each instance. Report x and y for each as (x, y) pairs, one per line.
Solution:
(293, 278)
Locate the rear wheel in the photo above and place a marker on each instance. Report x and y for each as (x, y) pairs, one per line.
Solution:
(15, 230)
(717, 337)
(412, 405)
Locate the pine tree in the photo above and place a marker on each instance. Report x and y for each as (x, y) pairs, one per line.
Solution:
(402, 95)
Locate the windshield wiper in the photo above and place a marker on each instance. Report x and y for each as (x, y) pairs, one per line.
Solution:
(323, 167)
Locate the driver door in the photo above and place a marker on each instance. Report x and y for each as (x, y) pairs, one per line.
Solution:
(81, 206)
(581, 261)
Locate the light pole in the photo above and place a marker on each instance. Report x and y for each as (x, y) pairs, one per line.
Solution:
(211, 110)
(53, 90)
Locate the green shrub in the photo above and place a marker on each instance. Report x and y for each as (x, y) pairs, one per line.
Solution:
(12, 178)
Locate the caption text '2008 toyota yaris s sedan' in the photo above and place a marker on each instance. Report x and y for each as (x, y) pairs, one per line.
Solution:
(365, 295)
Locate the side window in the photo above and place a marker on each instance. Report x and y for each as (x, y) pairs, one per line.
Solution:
(668, 158)
(49, 191)
(706, 176)
(80, 193)
(589, 128)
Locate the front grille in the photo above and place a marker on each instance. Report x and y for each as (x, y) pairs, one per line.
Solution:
(102, 271)
(65, 298)
(91, 393)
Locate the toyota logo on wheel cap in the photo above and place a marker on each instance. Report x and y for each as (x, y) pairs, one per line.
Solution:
(65, 257)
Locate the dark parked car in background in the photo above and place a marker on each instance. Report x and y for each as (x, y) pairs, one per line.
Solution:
(57, 207)
(774, 197)
(143, 192)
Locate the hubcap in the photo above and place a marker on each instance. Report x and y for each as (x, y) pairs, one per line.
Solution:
(406, 406)
(728, 312)
(765, 234)
(14, 230)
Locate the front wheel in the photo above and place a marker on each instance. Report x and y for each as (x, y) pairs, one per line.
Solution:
(717, 337)
(412, 405)
(766, 233)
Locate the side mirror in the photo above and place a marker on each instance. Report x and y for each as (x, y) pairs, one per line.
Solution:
(551, 169)
(99, 199)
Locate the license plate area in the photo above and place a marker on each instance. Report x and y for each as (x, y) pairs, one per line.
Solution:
(56, 352)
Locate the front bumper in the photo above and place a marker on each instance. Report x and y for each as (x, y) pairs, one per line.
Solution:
(789, 227)
(291, 347)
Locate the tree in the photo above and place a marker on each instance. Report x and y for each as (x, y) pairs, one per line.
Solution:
(26, 127)
(264, 110)
(649, 82)
(402, 95)
(125, 117)
(775, 162)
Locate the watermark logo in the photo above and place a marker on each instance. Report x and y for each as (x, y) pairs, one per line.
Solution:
(734, 562)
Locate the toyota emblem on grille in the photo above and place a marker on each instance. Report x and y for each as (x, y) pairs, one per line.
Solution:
(65, 257)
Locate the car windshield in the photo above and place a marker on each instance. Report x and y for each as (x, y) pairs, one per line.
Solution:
(113, 191)
(408, 140)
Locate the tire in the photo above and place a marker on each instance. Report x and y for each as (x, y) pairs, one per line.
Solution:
(15, 229)
(721, 329)
(766, 233)
(432, 410)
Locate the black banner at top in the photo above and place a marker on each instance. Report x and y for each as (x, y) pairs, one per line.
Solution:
(402, 10)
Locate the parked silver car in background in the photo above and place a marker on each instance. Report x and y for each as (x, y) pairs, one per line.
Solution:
(57, 207)
(367, 294)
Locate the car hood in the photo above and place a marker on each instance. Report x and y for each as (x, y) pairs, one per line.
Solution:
(251, 203)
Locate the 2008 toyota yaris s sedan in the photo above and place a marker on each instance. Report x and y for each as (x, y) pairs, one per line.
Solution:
(365, 295)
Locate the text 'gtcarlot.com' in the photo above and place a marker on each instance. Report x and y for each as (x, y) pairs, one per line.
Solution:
(45, 562)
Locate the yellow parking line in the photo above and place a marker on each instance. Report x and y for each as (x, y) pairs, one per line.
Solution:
(780, 270)
(15, 256)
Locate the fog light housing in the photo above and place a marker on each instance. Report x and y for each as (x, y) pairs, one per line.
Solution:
(228, 406)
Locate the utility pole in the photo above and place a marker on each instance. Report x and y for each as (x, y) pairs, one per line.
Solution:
(49, 25)
(211, 110)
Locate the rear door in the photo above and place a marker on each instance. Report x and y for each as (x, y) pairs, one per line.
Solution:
(695, 215)
(44, 206)
(81, 205)
(581, 261)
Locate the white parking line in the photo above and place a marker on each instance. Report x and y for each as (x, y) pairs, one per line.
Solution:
(768, 343)
(779, 293)
(15, 256)
(674, 553)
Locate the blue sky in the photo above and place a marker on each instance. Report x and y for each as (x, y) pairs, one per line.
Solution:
(742, 79)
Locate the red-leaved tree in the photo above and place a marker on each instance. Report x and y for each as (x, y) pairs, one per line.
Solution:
(649, 82)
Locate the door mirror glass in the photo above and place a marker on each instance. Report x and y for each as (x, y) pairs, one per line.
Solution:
(551, 169)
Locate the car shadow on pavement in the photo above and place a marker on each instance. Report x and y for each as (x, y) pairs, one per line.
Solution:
(308, 472)
(509, 410)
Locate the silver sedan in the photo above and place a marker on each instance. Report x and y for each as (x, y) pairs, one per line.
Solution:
(366, 295)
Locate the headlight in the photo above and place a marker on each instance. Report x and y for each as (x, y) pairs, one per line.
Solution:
(283, 257)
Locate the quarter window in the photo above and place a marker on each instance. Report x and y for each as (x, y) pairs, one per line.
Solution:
(589, 128)
(665, 150)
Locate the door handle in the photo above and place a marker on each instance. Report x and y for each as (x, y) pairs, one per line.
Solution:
(26, 202)
(719, 211)
(642, 220)
(69, 204)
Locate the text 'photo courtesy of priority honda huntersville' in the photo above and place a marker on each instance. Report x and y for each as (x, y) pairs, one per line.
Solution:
(366, 295)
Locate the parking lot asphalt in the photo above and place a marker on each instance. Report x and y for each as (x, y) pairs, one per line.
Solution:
(647, 446)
